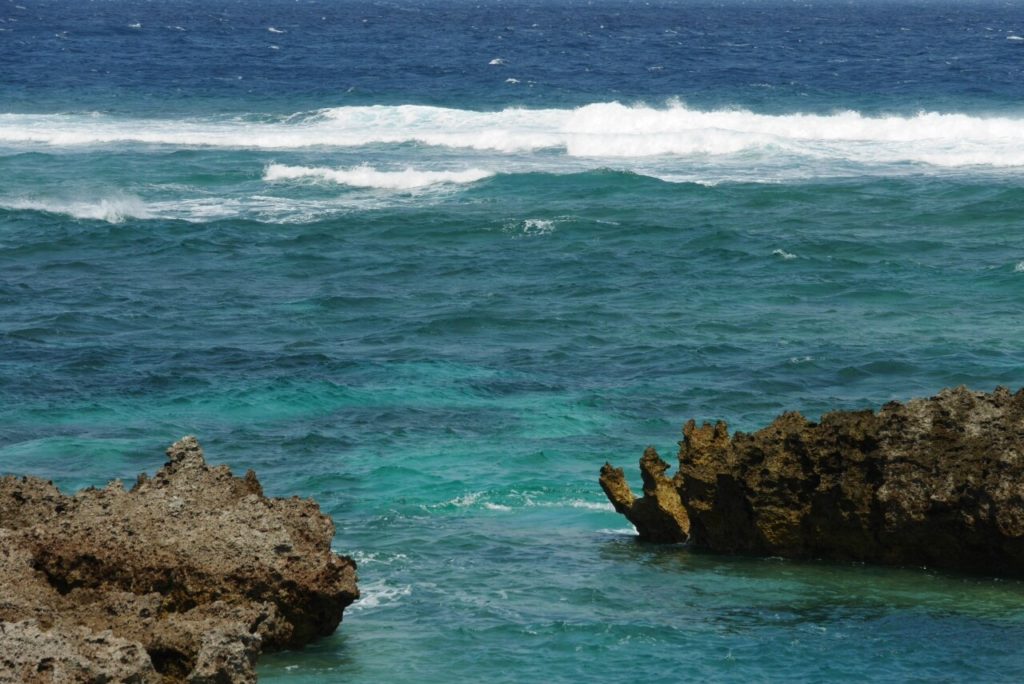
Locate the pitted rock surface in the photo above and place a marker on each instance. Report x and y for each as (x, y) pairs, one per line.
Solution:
(936, 482)
(186, 577)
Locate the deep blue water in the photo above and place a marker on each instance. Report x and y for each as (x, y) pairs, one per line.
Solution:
(434, 263)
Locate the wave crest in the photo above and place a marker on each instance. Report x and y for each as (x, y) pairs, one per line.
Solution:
(111, 210)
(366, 176)
(600, 130)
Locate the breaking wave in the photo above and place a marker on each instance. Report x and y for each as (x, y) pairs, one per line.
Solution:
(111, 210)
(602, 130)
(368, 177)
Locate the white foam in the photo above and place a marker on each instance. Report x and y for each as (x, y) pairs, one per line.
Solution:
(497, 61)
(1014, 37)
(538, 226)
(1019, 268)
(784, 254)
(111, 210)
(364, 558)
(591, 505)
(612, 129)
(376, 594)
(513, 81)
(278, 209)
(464, 501)
(531, 227)
(136, 25)
(368, 177)
(598, 131)
(496, 507)
(275, 30)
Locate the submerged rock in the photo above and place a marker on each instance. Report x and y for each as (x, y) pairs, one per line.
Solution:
(186, 577)
(936, 482)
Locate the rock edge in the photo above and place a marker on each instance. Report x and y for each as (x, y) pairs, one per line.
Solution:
(187, 577)
(936, 482)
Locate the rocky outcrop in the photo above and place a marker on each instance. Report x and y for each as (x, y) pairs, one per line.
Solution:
(186, 577)
(937, 482)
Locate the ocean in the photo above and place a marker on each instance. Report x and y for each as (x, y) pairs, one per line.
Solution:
(433, 263)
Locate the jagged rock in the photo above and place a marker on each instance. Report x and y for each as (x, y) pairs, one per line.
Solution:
(193, 570)
(660, 513)
(937, 482)
(74, 654)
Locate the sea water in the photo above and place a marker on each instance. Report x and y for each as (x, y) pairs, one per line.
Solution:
(433, 263)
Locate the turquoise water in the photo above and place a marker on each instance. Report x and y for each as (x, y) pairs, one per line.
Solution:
(436, 284)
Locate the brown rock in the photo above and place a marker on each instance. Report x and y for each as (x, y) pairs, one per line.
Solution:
(74, 654)
(936, 482)
(194, 568)
(658, 516)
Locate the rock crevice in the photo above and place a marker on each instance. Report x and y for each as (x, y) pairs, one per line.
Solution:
(186, 577)
(937, 482)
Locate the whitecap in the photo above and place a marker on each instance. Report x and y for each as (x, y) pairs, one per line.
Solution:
(1014, 37)
(465, 500)
(275, 30)
(368, 177)
(1019, 268)
(534, 227)
(538, 226)
(111, 210)
(512, 80)
(496, 507)
(591, 505)
(497, 61)
(272, 209)
(597, 131)
(784, 254)
(136, 25)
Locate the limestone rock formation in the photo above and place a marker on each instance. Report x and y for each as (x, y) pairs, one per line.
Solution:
(936, 482)
(186, 577)
(659, 514)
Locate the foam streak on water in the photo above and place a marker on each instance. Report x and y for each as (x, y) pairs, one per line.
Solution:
(367, 177)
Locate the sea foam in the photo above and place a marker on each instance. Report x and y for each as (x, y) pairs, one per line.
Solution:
(368, 177)
(599, 131)
(111, 210)
(378, 593)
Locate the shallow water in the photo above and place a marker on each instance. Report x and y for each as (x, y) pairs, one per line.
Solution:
(365, 263)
